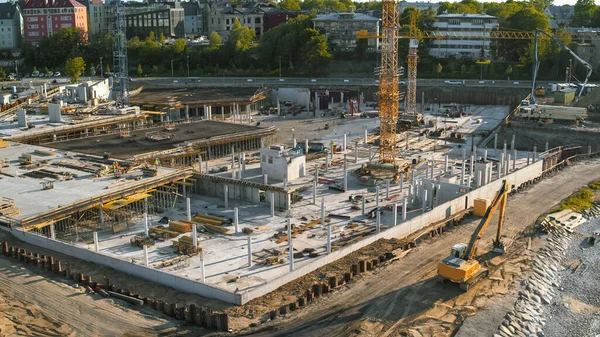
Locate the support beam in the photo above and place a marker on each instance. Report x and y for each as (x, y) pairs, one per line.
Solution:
(202, 269)
(314, 192)
(424, 200)
(363, 204)
(378, 228)
(146, 256)
(328, 239)
(376, 196)
(226, 189)
(96, 243)
(387, 189)
(235, 219)
(534, 154)
(395, 214)
(404, 209)
(188, 209)
(195, 236)
(52, 232)
(345, 143)
(445, 164)
(272, 199)
(306, 146)
(322, 212)
(249, 251)
(345, 174)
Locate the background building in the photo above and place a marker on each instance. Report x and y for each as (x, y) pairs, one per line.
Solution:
(102, 18)
(194, 20)
(420, 5)
(161, 18)
(464, 24)
(221, 15)
(11, 26)
(44, 17)
(341, 29)
(559, 15)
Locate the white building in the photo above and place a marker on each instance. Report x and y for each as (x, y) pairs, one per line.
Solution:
(101, 18)
(420, 5)
(460, 26)
(11, 26)
(280, 164)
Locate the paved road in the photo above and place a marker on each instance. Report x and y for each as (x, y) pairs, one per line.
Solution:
(318, 82)
(407, 288)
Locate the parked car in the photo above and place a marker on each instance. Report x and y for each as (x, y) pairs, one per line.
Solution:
(56, 74)
(10, 78)
(35, 73)
(454, 82)
(42, 75)
(402, 82)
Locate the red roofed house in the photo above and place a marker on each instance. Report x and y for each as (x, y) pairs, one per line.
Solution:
(44, 17)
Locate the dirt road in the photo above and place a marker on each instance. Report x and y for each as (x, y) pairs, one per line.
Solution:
(35, 305)
(380, 304)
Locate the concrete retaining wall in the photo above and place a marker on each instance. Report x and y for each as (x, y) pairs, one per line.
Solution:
(153, 275)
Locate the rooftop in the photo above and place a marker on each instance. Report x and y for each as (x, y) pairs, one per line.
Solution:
(465, 15)
(7, 10)
(52, 4)
(347, 16)
(137, 143)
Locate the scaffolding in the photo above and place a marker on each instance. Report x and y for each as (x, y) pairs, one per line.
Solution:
(120, 56)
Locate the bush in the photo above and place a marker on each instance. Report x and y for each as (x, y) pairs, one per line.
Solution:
(595, 185)
(579, 201)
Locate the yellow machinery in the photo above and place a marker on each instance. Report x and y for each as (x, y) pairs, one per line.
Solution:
(461, 266)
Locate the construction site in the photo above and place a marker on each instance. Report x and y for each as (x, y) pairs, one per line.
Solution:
(300, 211)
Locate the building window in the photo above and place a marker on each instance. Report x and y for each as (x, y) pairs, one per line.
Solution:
(270, 159)
(264, 158)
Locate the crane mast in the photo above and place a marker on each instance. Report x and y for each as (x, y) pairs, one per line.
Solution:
(389, 93)
(411, 81)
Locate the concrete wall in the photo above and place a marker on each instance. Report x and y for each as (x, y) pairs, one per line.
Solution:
(239, 192)
(299, 96)
(153, 275)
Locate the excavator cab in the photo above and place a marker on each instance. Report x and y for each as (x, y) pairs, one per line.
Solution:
(459, 251)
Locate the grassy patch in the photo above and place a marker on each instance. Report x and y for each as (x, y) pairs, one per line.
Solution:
(582, 199)
(595, 185)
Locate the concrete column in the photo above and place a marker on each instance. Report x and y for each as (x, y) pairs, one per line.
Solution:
(289, 230)
(507, 165)
(342, 97)
(478, 178)
(345, 143)
(323, 212)
(232, 162)
(462, 173)
(504, 150)
(272, 203)
(424, 200)
(489, 173)
(265, 179)
(427, 170)
(326, 163)
(226, 196)
(410, 193)
(305, 146)
(195, 236)
(377, 196)
(236, 219)
(475, 151)
(285, 183)
(205, 112)
(534, 154)
(101, 214)
(401, 184)
(96, 243)
(249, 251)
(589, 150)
(243, 161)
(495, 142)
(500, 165)
(314, 192)
(146, 256)
(146, 225)
(294, 144)
(472, 165)
(404, 209)
(200, 163)
(387, 189)
(188, 209)
(395, 214)
(328, 239)
(52, 232)
(445, 164)
(484, 155)
(206, 164)
(291, 256)
(202, 270)
(363, 204)
(186, 110)
(378, 228)
(514, 161)
(366, 137)
(528, 158)
(345, 174)
(464, 153)
(512, 143)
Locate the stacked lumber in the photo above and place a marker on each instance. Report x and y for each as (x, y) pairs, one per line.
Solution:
(180, 226)
(185, 246)
(298, 230)
(216, 229)
(160, 229)
(211, 219)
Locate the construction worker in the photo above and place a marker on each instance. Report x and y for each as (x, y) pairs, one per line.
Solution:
(146, 165)
(156, 162)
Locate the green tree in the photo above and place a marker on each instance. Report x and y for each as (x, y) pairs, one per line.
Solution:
(527, 19)
(583, 13)
(162, 39)
(46, 71)
(240, 38)
(509, 70)
(179, 46)
(92, 70)
(74, 67)
(290, 5)
(438, 69)
(463, 69)
(2, 73)
(107, 69)
(214, 41)
(140, 70)
(315, 51)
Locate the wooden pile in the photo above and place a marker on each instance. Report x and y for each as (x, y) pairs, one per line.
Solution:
(8, 207)
(216, 229)
(185, 246)
(211, 219)
(181, 226)
(161, 229)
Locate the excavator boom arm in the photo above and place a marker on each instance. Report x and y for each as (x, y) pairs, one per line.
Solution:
(498, 202)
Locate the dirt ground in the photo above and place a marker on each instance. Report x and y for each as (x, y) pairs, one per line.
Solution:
(404, 297)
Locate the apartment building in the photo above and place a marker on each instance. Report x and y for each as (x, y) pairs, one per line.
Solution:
(341, 28)
(44, 17)
(11, 26)
(165, 18)
(102, 18)
(461, 26)
(194, 20)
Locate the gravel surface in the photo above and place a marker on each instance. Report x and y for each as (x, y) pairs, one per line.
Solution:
(576, 311)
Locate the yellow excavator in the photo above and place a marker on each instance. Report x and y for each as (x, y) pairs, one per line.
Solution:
(461, 266)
